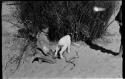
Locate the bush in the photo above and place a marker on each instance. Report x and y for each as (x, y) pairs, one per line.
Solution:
(66, 17)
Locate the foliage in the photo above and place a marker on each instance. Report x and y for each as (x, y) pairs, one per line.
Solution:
(66, 17)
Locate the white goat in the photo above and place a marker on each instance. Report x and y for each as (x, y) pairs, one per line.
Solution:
(63, 44)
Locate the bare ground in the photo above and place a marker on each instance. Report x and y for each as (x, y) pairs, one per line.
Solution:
(90, 64)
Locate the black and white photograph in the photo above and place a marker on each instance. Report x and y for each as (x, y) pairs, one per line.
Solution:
(62, 39)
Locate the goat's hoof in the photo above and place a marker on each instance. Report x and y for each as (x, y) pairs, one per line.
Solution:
(61, 57)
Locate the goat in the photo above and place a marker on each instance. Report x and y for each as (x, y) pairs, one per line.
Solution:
(63, 44)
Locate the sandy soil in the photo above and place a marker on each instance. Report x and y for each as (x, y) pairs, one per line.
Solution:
(90, 64)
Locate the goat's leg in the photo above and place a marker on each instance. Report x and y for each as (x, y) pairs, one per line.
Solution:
(69, 49)
(62, 50)
(57, 49)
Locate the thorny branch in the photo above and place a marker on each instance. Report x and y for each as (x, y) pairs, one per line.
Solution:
(10, 19)
(72, 60)
(15, 60)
